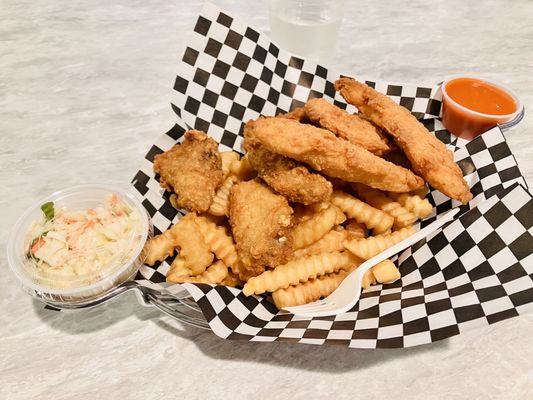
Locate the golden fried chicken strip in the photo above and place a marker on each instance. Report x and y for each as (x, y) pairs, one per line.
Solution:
(193, 170)
(260, 221)
(428, 155)
(353, 128)
(288, 177)
(297, 114)
(325, 152)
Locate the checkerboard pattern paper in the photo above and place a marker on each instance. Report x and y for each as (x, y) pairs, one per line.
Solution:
(478, 270)
(231, 73)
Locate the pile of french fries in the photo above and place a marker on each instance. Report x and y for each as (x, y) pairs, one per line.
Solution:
(330, 239)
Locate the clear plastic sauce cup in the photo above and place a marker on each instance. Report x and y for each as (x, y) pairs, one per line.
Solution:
(472, 106)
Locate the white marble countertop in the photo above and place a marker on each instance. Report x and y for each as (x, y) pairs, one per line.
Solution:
(84, 90)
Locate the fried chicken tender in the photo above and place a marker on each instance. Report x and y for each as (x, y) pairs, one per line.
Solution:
(288, 177)
(299, 114)
(353, 128)
(193, 170)
(260, 221)
(325, 152)
(427, 154)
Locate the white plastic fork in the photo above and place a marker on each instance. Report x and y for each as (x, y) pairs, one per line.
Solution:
(349, 291)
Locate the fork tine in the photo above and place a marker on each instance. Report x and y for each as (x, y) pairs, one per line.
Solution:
(315, 313)
(298, 310)
(311, 307)
(301, 309)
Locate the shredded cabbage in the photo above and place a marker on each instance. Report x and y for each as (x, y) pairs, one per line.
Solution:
(83, 244)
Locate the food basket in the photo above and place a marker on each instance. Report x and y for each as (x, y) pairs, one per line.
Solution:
(475, 271)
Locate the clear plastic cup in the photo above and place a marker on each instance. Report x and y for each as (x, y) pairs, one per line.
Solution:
(307, 28)
(122, 267)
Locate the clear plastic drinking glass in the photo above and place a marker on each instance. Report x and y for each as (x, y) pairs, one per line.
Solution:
(307, 28)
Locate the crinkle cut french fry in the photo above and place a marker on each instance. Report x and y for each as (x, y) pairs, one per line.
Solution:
(242, 169)
(373, 218)
(160, 247)
(376, 198)
(227, 157)
(220, 203)
(216, 219)
(300, 270)
(310, 231)
(309, 291)
(303, 213)
(193, 247)
(331, 241)
(369, 247)
(312, 209)
(386, 272)
(214, 274)
(417, 205)
(368, 279)
(219, 242)
(231, 280)
(341, 217)
(177, 268)
(356, 230)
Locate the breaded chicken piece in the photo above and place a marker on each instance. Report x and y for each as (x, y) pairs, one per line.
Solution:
(428, 155)
(351, 127)
(193, 170)
(397, 156)
(260, 220)
(325, 152)
(297, 114)
(288, 177)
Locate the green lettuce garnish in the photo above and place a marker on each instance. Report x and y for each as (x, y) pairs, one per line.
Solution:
(48, 210)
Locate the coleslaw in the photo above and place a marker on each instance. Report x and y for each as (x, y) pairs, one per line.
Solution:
(71, 248)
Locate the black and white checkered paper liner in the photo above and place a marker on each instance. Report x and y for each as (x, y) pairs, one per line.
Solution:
(231, 73)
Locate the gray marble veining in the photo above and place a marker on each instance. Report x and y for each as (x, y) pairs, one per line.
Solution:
(84, 90)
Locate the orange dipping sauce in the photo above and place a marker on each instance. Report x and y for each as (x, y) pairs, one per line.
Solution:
(472, 106)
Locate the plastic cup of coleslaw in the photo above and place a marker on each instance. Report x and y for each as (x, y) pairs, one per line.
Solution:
(80, 272)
